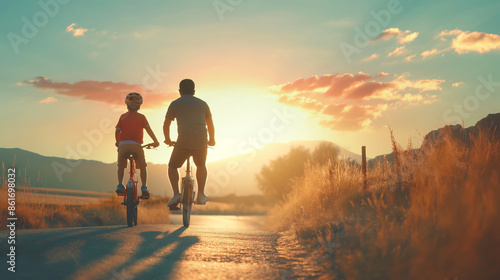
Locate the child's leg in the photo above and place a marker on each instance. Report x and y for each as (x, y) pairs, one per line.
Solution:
(141, 163)
(122, 164)
(121, 173)
(144, 175)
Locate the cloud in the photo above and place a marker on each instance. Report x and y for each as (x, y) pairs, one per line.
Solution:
(432, 52)
(107, 92)
(371, 57)
(458, 84)
(394, 32)
(450, 32)
(398, 51)
(401, 83)
(355, 87)
(466, 41)
(76, 32)
(353, 101)
(49, 99)
(351, 117)
(408, 38)
(410, 57)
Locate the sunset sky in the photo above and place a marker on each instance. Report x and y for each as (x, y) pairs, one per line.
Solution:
(271, 71)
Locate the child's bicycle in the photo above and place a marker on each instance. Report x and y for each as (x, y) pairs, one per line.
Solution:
(188, 195)
(131, 199)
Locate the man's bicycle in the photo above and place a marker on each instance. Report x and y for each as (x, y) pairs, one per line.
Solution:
(188, 195)
(131, 199)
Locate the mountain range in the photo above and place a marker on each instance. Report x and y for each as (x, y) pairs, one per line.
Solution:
(229, 176)
(234, 175)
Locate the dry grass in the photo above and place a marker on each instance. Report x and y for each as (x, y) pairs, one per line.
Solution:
(432, 214)
(41, 210)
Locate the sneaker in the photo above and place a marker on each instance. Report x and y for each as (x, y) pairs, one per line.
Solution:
(202, 199)
(174, 200)
(145, 192)
(120, 190)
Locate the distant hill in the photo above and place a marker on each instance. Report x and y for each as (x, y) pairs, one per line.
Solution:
(235, 175)
(40, 171)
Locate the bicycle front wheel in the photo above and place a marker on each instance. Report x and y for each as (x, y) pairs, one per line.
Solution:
(187, 202)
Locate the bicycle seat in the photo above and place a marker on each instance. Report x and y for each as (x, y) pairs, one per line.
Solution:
(130, 154)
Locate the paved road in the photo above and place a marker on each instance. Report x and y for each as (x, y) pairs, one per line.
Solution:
(213, 247)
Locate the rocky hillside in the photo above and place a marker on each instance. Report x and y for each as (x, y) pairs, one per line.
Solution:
(489, 124)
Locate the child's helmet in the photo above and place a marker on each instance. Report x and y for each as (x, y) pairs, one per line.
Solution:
(134, 97)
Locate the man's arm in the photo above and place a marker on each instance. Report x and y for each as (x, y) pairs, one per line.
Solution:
(152, 135)
(166, 131)
(211, 131)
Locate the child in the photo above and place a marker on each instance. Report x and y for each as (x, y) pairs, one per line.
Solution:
(128, 137)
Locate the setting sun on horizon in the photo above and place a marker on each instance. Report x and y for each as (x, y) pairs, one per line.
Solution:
(275, 72)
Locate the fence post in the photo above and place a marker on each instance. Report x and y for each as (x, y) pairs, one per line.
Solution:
(363, 166)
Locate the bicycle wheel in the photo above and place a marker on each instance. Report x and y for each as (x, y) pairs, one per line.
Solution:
(186, 202)
(131, 209)
(135, 216)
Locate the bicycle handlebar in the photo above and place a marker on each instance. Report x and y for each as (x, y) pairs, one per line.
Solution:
(149, 146)
(173, 144)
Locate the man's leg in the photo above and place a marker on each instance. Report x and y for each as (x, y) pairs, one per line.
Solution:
(173, 176)
(200, 159)
(177, 159)
(201, 177)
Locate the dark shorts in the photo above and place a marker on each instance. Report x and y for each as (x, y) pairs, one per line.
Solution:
(140, 160)
(180, 155)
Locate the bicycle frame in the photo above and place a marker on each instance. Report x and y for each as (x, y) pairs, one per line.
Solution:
(132, 182)
(188, 193)
(188, 181)
(131, 199)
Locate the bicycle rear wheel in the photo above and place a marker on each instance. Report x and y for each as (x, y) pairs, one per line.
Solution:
(187, 202)
(135, 216)
(131, 208)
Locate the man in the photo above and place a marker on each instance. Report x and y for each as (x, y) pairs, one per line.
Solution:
(193, 120)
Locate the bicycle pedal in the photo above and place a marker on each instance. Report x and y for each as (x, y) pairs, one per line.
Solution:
(145, 196)
(174, 208)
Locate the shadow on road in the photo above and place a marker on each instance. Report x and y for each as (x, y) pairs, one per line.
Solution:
(59, 252)
(157, 256)
(117, 253)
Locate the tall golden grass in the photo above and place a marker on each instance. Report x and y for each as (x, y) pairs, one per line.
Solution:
(432, 214)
